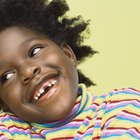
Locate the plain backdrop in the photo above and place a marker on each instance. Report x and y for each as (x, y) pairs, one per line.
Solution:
(115, 33)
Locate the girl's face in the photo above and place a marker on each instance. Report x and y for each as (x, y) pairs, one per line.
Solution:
(38, 79)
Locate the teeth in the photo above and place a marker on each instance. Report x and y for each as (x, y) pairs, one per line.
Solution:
(36, 98)
(54, 82)
(50, 84)
(38, 94)
(42, 90)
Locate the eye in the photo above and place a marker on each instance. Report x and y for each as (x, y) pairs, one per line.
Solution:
(34, 50)
(6, 76)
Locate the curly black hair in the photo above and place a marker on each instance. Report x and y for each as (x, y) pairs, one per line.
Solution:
(49, 19)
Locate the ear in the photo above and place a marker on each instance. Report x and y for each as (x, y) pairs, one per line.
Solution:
(69, 52)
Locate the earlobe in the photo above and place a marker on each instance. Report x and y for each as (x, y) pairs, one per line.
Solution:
(69, 52)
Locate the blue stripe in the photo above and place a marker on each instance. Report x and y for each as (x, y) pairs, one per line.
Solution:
(37, 136)
(20, 133)
(7, 119)
(61, 129)
(127, 119)
(84, 136)
(88, 109)
(118, 135)
(14, 133)
(124, 92)
(120, 106)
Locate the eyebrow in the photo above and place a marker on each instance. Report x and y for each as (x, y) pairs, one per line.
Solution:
(24, 43)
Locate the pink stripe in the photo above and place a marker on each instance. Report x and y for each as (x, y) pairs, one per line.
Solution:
(5, 118)
(108, 122)
(95, 106)
(44, 131)
(130, 116)
(15, 130)
(86, 132)
(133, 90)
(2, 128)
(74, 124)
(125, 89)
(9, 117)
(123, 114)
(3, 138)
(121, 131)
(114, 105)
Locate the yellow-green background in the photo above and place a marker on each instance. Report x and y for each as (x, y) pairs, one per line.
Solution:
(115, 33)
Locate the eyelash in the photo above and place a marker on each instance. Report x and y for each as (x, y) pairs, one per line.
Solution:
(31, 51)
(5, 77)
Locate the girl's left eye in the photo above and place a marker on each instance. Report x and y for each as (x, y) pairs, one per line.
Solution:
(34, 50)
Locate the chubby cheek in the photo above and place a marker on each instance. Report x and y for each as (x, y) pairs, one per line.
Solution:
(67, 67)
(68, 71)
(12, 97)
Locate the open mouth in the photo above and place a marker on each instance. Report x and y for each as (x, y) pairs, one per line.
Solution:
(44, 89)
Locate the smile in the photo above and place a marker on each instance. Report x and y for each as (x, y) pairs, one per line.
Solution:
(44, 89)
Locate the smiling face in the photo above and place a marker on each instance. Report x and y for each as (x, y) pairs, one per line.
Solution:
(39, 80)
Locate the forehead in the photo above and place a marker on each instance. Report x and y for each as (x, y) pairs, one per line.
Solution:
(14, 36)
(11, 39)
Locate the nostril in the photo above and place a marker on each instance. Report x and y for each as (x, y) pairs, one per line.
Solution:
(26, 80)
(29, 74)
(36, 71)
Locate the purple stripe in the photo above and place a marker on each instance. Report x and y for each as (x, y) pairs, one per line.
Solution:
(69, 126)
(121, 131)
(3, 128)
(130, 116)
(89, 131)
(3, 138)
(16, 130)
(108, 122)
(122, 103)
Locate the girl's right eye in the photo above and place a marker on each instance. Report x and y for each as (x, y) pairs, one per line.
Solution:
(5, 77)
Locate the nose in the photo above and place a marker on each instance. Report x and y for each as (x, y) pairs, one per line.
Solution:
(28, 72)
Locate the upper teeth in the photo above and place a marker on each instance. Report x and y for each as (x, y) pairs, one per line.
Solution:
(50, 84)
(42, 90)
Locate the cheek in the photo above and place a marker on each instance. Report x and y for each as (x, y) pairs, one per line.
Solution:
(12, 96)
(53, 58)
(59, 59)
(70, 72)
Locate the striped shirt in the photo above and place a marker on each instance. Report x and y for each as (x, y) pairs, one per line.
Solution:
(113, 116)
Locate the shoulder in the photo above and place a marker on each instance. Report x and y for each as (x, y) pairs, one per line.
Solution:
(125, 91)
(120, 96)
(12, 127)
(117, 98)
(122, 99)
(10, 121)
(119, 104)
(122, 105)
(121, 114)
(124, 95)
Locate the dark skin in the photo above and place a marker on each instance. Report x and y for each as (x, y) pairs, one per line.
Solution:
(27, 61)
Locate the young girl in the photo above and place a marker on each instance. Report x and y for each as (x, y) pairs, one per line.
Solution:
(42, 94)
